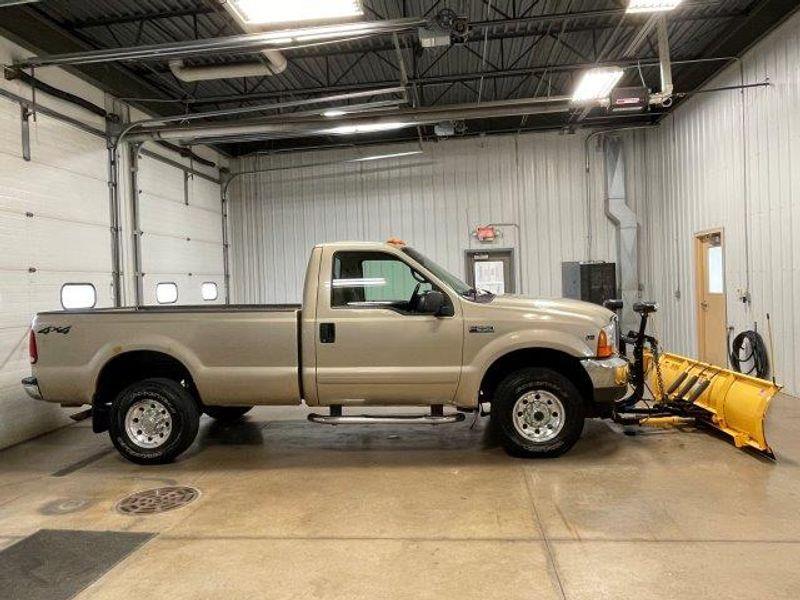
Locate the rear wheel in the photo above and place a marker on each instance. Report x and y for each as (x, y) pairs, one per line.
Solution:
(153, 421)
(538, 412)
(226, 413)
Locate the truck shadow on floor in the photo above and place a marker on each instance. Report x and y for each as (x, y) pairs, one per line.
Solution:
(296, 442)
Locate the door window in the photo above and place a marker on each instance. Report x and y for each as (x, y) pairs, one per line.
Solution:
(375, 280)
(716, 270)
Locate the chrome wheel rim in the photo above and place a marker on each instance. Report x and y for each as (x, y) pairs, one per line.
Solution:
(148, 423)
(538, 416)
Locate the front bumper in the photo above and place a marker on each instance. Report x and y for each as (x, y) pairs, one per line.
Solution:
(31, 386)
(609, 377)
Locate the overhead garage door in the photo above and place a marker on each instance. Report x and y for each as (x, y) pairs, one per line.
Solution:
(54, 229)
(180, 216)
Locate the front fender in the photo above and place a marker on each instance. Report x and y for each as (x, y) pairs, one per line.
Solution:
(472, 374)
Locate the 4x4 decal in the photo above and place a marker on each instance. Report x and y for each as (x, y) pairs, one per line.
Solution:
(52, 329)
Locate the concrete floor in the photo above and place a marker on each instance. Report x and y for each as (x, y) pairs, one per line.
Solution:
(295, 510)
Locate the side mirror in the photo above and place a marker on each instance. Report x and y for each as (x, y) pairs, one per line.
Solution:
(431, 303)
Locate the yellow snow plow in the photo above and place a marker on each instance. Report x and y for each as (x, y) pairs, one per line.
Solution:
(686, 392)
(731, 402)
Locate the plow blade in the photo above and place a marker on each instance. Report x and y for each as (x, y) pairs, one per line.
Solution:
(736, 404)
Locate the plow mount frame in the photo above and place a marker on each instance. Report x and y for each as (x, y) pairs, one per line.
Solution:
(689, 392)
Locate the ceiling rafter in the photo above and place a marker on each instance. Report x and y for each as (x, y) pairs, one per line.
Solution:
(529, 48)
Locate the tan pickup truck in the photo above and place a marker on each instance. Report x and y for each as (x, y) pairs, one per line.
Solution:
(380, 325)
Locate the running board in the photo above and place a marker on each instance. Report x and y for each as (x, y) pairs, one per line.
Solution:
(431, 419)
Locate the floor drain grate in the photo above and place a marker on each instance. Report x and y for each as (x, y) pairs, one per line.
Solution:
(158, 500)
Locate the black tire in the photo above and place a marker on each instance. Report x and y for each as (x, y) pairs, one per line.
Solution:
(554, 389)
(182, 416)
(227, 414)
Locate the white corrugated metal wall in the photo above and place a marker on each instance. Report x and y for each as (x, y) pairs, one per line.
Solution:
(728, 159)
(55, 228)
(534, 183)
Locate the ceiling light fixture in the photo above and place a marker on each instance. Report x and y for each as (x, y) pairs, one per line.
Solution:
(385, 156)
(650, 6)
(332, 114)
(366, 128)
(262, 12)
(596, 84)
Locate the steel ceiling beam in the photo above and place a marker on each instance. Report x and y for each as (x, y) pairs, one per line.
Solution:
(479, 25)
(277, 40)
(761, 17)
(314, 126)
(439, 80)
(582, 15)
(152, 16)
(23, 24)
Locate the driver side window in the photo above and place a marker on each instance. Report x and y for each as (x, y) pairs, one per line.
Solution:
(374, 279)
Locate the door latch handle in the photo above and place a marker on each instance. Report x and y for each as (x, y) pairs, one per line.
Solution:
(704, 305)
(327, 333)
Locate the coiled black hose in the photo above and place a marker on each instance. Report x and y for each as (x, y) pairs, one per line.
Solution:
(758, 354)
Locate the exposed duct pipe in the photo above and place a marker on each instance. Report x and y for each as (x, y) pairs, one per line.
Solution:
(618, 211)
(275, 62)
(281, 127)
(664, 97)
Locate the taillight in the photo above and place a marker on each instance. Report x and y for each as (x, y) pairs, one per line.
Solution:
(33, 351)
(604, 348)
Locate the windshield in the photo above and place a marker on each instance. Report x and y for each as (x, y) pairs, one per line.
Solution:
(451, 280)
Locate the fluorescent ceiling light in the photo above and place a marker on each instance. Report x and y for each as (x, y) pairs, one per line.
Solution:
(259, 12)
(597, 84)
(385, 156)
(649, 6)
(334, 113)
(368, 128)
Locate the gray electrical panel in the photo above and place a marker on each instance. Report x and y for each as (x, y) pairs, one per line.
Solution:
(593, 282)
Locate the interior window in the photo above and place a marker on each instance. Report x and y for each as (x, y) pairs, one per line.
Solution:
(167, 293)
(716, 270)
(375, 279)
(209, 291)
(78, 295)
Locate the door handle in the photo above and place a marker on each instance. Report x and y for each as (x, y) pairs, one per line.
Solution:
(327, 333)
(704, 305)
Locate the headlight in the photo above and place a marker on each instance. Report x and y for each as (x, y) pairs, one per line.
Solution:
(607, 340)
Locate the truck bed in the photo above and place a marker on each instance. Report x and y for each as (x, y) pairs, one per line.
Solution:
(236, 355)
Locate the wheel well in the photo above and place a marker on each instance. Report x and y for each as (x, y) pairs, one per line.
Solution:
(125, 369)
(567, 365)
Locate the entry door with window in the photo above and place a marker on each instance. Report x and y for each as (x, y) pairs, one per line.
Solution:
(711, 299)
(372, 345)
(492, 271)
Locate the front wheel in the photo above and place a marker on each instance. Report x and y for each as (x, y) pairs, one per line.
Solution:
(539, 413)
(153, 421)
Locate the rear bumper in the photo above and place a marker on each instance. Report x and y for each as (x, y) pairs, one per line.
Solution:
(31, 386)
(609, 378)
